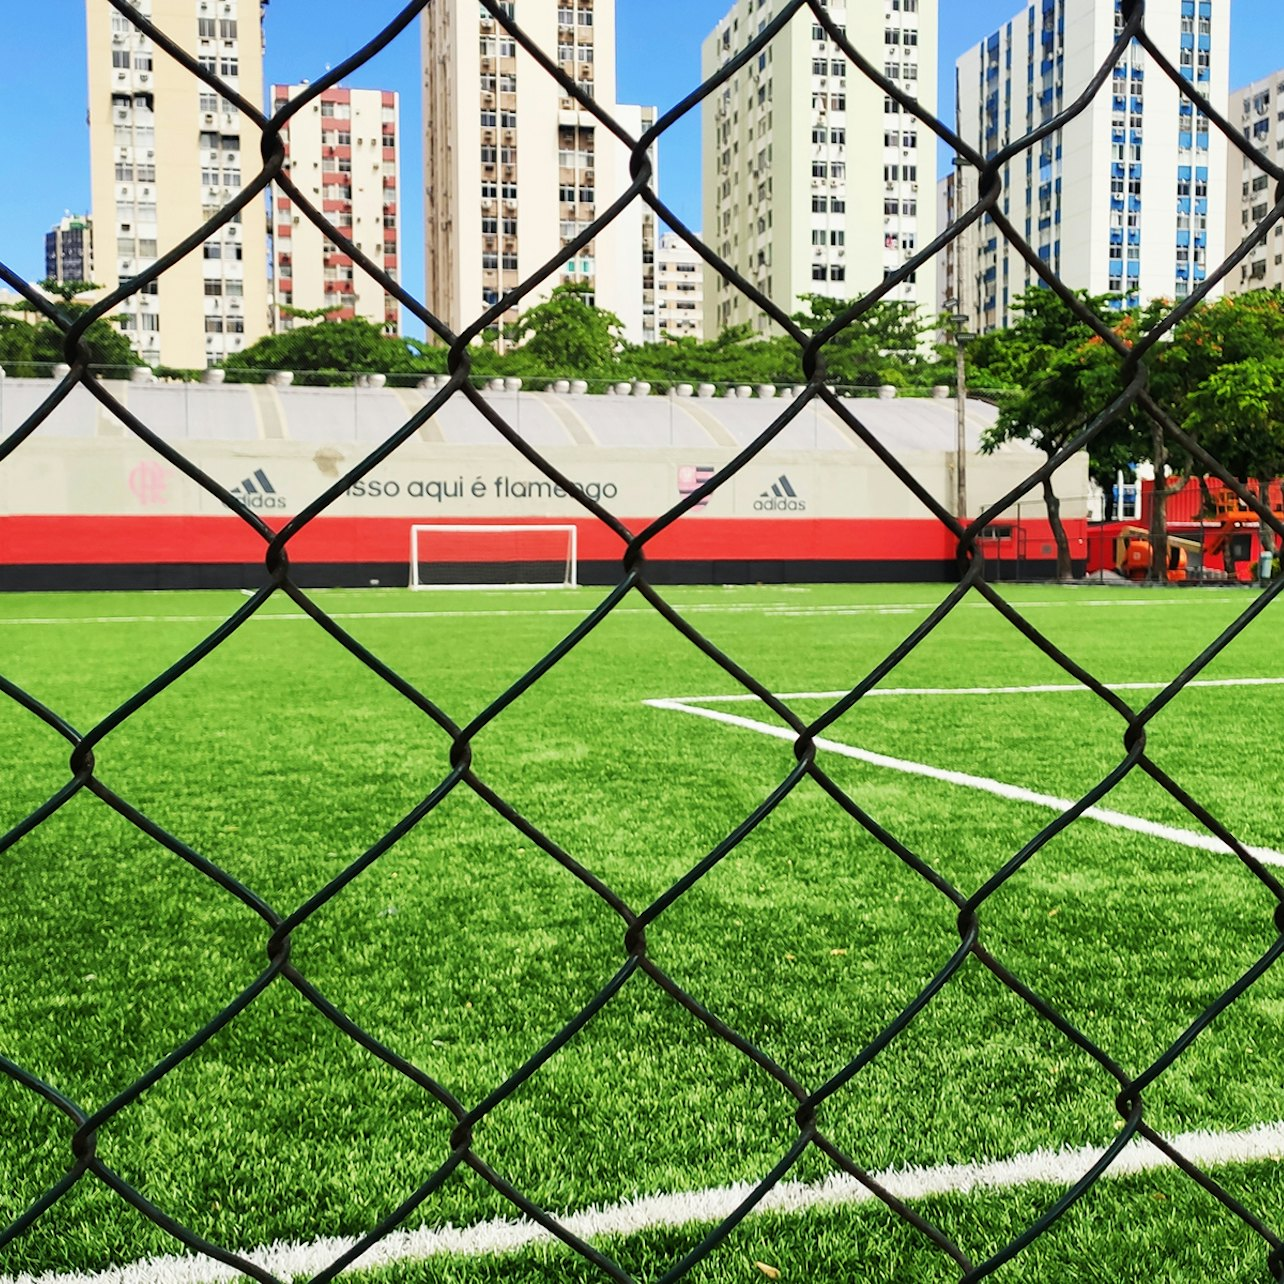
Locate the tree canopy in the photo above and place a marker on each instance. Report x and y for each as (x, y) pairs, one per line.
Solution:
(330, 350)
(30, 345)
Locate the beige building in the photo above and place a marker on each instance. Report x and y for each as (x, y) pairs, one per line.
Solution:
(679, 288)
(515, 169)
(1257, 110)
(166, 155)
(815, 181)
(342, 151)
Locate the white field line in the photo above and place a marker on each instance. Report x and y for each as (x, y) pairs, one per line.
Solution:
(1013, 793)
(728, 608)
(744, 697)
(501, 1235)
(787, 609)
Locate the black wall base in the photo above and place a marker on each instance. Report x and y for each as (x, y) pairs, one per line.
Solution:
(251, 575)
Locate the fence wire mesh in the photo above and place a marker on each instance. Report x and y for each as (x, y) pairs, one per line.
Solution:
(85, 1127)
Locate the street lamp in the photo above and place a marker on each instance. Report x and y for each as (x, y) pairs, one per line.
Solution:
(957, 321)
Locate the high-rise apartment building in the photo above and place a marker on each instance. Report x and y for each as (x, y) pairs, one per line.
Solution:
(515, 168)
(166, 153)
(679, 289)
(1125, 197)
(69, 249)
(1258, 109)
(342, 152)
(816, 182)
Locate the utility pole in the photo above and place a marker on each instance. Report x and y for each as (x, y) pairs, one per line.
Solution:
(958, 321)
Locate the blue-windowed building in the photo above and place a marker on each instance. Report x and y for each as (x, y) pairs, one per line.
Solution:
(1124, 197)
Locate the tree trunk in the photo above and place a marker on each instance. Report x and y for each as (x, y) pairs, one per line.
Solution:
(1064, 569)
(1159, 505)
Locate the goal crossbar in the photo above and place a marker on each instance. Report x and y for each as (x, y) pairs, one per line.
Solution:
(513, 555)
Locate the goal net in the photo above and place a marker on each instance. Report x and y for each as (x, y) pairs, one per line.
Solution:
(515, 556)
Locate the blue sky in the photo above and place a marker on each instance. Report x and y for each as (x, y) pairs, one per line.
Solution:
(44, 162)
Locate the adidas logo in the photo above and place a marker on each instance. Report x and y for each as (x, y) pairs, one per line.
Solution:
(257, 492)
(780, 497)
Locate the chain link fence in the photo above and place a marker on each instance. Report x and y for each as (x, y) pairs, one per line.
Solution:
(87, 1127)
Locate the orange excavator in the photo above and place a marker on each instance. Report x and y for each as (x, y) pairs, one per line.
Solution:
(1133, 555)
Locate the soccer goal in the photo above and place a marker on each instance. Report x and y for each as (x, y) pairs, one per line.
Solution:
(514, 556)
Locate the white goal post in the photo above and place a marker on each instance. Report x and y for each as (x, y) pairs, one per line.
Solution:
(528, 555)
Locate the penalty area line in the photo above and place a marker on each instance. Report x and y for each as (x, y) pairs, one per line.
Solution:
(1000, 789)
(1044, 688)
(509, 1235)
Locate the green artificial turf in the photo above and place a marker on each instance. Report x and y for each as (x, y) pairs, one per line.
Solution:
(466, 947)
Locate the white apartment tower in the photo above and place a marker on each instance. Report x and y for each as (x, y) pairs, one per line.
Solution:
(679, 289)
(342, 152)
(816, 182)
(166, 153)
(1258, 109)
(515, 169)
(1123, 199)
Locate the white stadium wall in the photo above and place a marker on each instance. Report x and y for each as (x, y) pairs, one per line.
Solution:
(85, 503)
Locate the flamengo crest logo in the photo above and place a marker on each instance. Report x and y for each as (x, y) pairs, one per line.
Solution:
(692, 478)
(780, 497)
(149, 480)
(257, 492)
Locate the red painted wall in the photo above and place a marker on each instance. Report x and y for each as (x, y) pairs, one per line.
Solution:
(47, 541)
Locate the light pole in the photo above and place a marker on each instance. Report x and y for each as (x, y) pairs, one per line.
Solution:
(957, 321)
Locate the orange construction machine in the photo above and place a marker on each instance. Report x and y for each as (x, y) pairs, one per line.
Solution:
(1133, 555)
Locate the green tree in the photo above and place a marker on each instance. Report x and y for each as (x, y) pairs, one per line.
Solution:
(882, 346)
(1214, 375)
(30, 344)
(333, 351)
(67, 290)
(565, 335)
(1060, 374)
